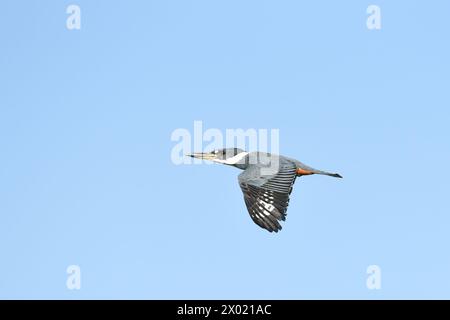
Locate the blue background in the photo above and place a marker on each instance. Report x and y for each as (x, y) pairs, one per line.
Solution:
(86, 176)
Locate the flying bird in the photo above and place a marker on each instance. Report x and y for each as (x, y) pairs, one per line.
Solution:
(266, 181)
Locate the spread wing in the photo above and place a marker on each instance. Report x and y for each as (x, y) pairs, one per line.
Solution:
(267, 197)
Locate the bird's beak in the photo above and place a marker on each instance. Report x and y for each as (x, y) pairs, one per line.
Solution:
(203, 155)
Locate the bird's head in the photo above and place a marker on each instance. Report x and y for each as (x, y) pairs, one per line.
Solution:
(230, 156)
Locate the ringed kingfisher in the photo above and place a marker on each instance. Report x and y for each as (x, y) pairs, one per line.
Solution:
(266, 181)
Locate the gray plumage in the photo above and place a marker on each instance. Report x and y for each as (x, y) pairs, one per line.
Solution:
(266, 182)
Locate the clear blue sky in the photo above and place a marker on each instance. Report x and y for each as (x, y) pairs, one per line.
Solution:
(86, 176)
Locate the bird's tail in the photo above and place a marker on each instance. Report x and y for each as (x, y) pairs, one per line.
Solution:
(336, 175)
(305, 170)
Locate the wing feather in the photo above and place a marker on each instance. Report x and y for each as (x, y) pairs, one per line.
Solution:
(267, 197)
